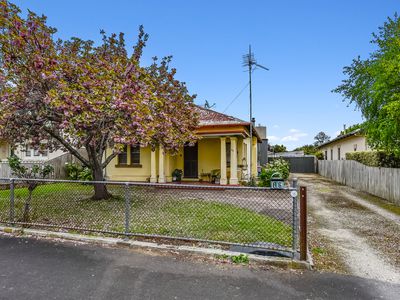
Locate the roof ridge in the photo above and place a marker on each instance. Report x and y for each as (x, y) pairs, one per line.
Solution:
(219, 113)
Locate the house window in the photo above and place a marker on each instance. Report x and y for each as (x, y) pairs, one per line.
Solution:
(123, 156)
(27, 151)
(135, 154)
(44, 153)
(326, 155)
(355, 147)
(36, 152)
(331, 154)
(130, 156)
(338, 153)
(228, 154)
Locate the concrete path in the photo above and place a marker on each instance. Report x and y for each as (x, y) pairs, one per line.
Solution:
(37, 269)
(363, 236)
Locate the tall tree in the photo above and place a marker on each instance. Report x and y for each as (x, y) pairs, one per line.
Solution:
(278, 148)
(321, 138)
(307, 149)
(73, 94)
(373, 85)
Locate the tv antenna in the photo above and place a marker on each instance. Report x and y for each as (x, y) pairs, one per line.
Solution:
(250, 62)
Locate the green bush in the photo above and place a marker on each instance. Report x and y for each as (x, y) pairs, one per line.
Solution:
(78, 172)
(72, 171)
(375, 159)
(319, 155)
(85, 174)
(280, 166)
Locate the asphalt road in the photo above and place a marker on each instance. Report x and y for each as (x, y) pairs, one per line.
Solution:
(38, 269)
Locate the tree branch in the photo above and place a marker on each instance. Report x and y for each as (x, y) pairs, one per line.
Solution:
(72, 150)
(109, 159)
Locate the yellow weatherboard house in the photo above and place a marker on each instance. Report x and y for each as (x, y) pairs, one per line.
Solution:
(221, 155)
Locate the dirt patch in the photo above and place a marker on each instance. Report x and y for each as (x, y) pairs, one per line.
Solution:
(325, 257)
(350, 236)
(342, 203)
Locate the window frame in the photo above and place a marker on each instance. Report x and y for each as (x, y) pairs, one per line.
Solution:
(28, 151)
(128, 155)
(123, 154)
(134, 150)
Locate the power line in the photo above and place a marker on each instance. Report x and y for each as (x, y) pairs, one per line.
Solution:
(236, 97)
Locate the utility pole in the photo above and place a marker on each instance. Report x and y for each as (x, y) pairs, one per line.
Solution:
(249, 61)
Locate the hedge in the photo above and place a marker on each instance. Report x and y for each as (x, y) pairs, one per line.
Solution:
(375, 159)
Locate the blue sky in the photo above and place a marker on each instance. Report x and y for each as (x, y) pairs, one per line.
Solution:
(304, 43)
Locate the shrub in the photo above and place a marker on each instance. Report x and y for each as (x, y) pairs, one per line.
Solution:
(78, 172)
(72, 171)
(375, 159)
(319, 155)
(280, 166)
(85, 174)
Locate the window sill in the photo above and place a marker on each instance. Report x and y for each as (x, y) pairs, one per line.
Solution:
(129, 166)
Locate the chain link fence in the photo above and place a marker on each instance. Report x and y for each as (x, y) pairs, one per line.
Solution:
(242, 216)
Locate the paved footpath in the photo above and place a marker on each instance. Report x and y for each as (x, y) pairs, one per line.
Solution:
(40, 269)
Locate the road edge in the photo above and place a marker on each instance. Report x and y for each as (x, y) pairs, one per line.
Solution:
(287, 263)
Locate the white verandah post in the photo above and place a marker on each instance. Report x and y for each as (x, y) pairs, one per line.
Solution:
(223, 180)
(233, 178)
(153, 174)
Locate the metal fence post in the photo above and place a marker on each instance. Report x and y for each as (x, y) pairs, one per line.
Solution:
(295, 226)
(12, 200)
(127, 210)
(303, 223)
(294, 183)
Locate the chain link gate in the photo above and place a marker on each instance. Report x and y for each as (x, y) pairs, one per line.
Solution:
(253, 217)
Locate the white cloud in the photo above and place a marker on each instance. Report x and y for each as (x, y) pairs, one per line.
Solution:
(276, 126)
(273, 138)
(294, 130)
(295, 136)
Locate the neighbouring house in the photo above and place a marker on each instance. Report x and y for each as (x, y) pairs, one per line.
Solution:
(337, 148)
(262, 149)
(27, 154)
(34, 155)
(223, 148)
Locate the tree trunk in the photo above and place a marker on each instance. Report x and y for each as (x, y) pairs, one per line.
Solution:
(100, 189)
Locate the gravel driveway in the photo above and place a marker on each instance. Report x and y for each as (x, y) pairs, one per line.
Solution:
(350, 234)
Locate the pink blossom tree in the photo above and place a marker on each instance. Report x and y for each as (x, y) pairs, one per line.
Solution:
(73, 94)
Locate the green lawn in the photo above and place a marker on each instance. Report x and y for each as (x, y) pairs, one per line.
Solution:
(152, 212)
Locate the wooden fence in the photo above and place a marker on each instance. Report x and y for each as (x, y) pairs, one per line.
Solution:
(58, 164)
(381, 182)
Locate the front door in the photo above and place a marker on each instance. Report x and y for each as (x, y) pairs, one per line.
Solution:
(190, 161)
